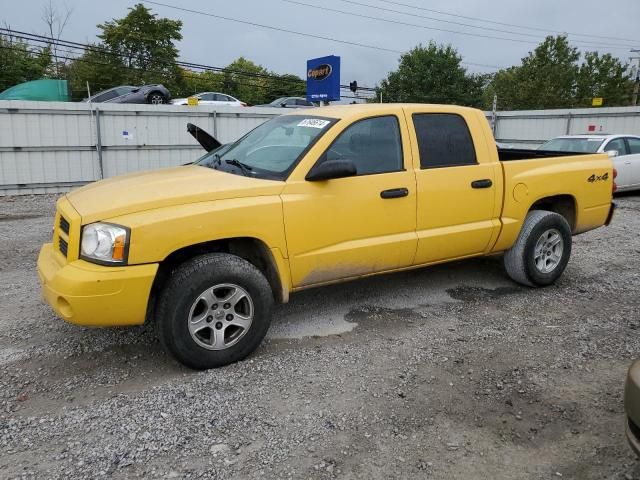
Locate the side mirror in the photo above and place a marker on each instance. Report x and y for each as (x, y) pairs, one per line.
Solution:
(135, 90)
(613, 153)
(283, 105)
(332, 169)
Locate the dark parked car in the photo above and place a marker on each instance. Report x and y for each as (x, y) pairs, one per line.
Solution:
(155, 94)
(289, 102)
(632, 406)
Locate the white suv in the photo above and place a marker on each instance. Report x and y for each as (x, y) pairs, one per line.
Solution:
(624, 150)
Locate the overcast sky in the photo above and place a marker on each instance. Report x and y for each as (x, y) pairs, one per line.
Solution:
(217, 42)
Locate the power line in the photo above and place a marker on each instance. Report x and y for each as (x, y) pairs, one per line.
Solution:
(507, 24)
(92, 48)
(519, 40)
(269, 27)
(398, 22)
(293, 32)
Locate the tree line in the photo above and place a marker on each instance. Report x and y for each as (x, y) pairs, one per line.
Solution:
(140, 48)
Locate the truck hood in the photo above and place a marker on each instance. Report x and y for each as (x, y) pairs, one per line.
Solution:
(163, 188)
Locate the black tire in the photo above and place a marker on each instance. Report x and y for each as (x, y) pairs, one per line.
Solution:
(520, 260)
(156, 98)
(186, 284)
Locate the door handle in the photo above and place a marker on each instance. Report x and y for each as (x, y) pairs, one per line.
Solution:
(484, 183)
(394, 193)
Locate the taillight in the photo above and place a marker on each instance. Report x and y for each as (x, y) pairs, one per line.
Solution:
(614, 187)
(243, 104)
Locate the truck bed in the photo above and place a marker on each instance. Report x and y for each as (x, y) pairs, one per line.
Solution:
(506, 154)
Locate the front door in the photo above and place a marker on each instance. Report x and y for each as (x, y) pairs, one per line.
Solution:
(348, 227)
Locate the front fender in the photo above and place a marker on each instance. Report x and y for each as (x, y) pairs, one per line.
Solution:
(157, 233)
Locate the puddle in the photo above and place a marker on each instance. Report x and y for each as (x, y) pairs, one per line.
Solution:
(309, 327)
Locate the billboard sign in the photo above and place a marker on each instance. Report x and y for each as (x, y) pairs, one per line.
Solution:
(323, 79)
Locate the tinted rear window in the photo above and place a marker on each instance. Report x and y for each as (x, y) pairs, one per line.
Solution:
(443, 140)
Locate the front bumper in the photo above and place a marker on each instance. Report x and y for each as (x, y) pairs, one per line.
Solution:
(94, 295)
(632, 406)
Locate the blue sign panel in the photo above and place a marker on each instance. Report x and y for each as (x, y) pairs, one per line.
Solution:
(323, 79)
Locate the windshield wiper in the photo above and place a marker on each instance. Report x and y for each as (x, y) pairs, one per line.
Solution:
(244, 168)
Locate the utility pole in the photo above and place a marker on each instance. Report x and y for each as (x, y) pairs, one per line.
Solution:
(636, 86)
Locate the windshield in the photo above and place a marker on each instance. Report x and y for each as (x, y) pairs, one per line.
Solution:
(272, 149)
(576, 145)
(278, 101)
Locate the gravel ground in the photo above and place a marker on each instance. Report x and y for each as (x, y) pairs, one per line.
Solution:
(448, 372)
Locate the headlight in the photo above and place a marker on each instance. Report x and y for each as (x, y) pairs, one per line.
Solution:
(105, 243)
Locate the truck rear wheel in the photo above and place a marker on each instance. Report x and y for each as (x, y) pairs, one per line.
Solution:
(214, 310)
(541, 251)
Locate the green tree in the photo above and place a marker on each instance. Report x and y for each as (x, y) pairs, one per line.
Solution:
(245, 80)
(603, 76)
(286, 85)
(97, 66)
(196, 82)
(145, 43)
(547, 77)
(505, 84)
(18, 63)
(552, 77)
(431, 74)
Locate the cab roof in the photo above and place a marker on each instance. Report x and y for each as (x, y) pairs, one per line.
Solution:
(347, 111)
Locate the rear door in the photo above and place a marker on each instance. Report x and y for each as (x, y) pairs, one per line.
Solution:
(459, 186)
(633, 144)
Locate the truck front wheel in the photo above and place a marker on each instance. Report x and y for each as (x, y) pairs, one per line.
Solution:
(214, 310)
(541, 251)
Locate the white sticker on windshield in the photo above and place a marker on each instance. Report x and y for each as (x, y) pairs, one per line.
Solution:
(313, 123)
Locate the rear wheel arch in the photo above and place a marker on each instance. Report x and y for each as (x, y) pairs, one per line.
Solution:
(565, 205)
(253, 250)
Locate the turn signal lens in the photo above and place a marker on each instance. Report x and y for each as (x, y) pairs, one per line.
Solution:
(118, 248)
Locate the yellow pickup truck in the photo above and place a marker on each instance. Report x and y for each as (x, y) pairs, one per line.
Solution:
(306, 199)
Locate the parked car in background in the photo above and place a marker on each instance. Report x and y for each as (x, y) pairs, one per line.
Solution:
(212, 98)
(624, 150)
(289, 102)
(154, 94)
(632, 406)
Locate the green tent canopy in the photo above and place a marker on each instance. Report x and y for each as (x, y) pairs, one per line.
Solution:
(44, 90)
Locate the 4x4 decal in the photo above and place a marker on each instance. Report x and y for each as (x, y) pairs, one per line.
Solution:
(598, 178)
